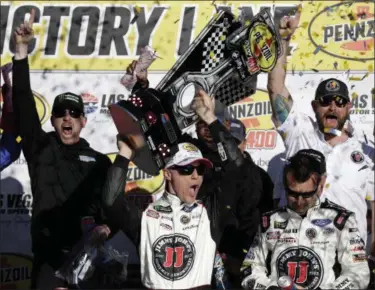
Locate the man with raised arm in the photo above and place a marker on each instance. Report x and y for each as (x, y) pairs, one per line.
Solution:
(350, 175)
(66, 174)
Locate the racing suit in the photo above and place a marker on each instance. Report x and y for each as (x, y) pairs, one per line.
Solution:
(177, 242)
(305, 249)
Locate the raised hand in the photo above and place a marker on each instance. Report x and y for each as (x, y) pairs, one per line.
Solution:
(204, 106)
(141, 75)
(25, 33)
(289, 24)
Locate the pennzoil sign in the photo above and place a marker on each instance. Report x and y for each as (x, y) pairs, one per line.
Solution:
(15, 271)
(345, 30)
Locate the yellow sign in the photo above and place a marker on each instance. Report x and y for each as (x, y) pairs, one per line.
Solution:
(345, 30)
(137, 180)
(42, 106)
(15, 271)
(263, 46)
(108, 35)
(255, 113)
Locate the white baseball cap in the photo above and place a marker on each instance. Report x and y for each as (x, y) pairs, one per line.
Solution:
(188, 153)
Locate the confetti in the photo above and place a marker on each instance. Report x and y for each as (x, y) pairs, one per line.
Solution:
(354, 95)
(307, 83)
(315, 34)
(304, 24)
(370, 68)
(212, 55)
(18, 139)
(355, 78)
(293, 69)
(315, 70)
(335, 64)
(352, 87)
(137, 11)
(177, 20)
(365, 76)
(223, 37)
(346, 65)
(317, 49)
(300, 74)
(319, 62)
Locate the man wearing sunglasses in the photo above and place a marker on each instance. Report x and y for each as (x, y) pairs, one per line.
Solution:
(177, 236)
(350, 175)
(66, 174)
(305, 238)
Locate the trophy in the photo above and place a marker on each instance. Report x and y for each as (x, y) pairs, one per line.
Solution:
(224, 60)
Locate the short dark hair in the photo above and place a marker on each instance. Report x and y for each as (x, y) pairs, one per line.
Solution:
(305, 163)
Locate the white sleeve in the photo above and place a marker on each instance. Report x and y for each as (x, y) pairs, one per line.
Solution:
(293, 126)
(355, 273)
(254, 268)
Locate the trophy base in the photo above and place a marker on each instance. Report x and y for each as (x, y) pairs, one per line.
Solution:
(128, 126)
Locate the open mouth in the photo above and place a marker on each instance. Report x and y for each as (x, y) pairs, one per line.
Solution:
(331, 120)
(193, 190)
(67, 130)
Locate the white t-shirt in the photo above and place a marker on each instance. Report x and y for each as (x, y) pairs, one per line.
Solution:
(350, 169)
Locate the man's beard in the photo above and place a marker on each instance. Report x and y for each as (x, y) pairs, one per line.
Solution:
(340, 122)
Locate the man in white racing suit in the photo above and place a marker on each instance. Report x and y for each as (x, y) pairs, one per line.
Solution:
(305, 238)
(177, 236)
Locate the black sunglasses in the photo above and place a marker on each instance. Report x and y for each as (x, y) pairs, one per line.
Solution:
(327, 100)
(304, 195)
(189, 169)
(59, 113)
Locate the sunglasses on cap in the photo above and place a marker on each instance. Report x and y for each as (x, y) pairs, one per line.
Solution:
(304, 195)
(327, 100)
(189, 169)
(61, 112)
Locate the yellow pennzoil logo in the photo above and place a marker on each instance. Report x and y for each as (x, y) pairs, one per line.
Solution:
(15, 271)
(138, 180)
(190, 147)
(345, 30)
(42, 106)
(255, 113)
(263, 46)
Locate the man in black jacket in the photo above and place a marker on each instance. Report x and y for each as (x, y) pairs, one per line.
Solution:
(253, 190)
(66, 174)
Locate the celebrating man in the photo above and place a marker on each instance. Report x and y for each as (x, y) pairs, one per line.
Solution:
(66, 174)
(350, 175)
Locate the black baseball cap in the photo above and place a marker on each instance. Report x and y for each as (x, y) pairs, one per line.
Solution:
(238, 130)
(332, 87)
(317, 161)
(68, 101)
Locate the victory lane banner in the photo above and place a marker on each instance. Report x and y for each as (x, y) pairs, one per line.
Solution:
(108, 35)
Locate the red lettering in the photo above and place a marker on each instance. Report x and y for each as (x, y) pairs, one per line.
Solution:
(169, 255)
(261, 139)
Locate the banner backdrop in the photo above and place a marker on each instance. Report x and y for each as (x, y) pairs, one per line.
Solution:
(85, 48)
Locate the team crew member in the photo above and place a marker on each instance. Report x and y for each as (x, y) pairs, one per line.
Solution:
(254, 199)
(350, 175)
(305, 238)
(66, 174)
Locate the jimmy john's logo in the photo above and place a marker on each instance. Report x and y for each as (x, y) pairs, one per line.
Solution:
(15, 271)
(255, 113)
(138, 180)
(42, 107)
(262, 46)
(345, 30)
